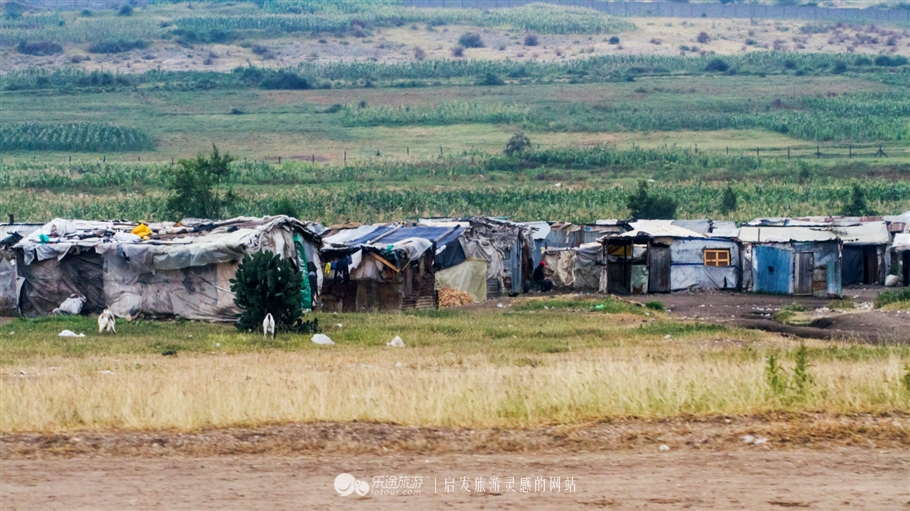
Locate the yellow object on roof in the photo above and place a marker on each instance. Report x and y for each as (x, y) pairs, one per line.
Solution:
(142, 231)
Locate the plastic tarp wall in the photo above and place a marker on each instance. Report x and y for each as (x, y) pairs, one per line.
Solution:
(688, 270)
(185, 276)
(852, 266)
(469, 276)
(10, 282)
(579, 268)
(191, 280)
(48, 283)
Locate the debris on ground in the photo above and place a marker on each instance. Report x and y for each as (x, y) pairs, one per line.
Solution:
(69, 333)
(396, 343)
(664, 447)
(322, 339)
(454, 298)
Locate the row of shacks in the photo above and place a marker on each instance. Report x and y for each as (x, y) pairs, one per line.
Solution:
(184, 269)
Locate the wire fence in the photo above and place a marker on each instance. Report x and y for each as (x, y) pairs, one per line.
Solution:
(692, 10)
(363, 154)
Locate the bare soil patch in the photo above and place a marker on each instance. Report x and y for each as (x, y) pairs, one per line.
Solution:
(750, 310)
(781, 431)
(845, 478)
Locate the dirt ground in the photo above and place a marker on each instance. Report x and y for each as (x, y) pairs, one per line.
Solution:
(752, 310)
(852, 478)
(806, 460)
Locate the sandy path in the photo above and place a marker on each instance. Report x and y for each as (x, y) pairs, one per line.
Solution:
(843, 478)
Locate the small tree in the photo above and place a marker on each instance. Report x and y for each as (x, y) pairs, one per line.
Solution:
(857, 205)
(267, 284)
(531, 40)
(644, 205)
(518, 143)
(703, 38)
(196, 186)
(728, 202)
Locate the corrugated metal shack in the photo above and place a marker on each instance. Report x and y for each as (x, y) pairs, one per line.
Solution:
(660, 257)
(794, 260)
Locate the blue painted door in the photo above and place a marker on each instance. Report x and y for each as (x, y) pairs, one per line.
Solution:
(773, 268)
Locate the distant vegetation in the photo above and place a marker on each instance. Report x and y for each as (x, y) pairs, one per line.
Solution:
(86, 137)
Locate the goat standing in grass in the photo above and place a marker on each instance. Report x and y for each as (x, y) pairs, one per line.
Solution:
(268, 326)
(106, 322)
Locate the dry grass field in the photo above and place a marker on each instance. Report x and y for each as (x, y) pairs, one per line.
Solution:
(540, 362)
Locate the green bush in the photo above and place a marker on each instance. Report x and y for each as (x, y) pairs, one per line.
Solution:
(118, 46)
(717, 66)
(655, 306)
(284, 80)
(267, 284)
(39, 49)
(642, 204)
(126, 10)
(471, 40)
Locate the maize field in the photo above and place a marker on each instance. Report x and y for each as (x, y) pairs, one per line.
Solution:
(79, 137)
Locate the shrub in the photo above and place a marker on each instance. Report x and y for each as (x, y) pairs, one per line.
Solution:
(531, 40)
(126, 10)
(862, 61)
(655, 306)
(419, 54)
(840, 67)
(857, 205)
(458, 51)
(776, 376)
(717, 66)
(614, 40)
(470, 40)
(703, 38)
(284, 80)
(39, 49)
(656, 41)
(886, 61)
(267, 284)
(801, 376)
(86, 13)
(490, 78)
(284, 206)
(117, 46)
(642, 204)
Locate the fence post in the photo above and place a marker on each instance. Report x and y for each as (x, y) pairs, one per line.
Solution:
(407, 151)
(756, 153)
(314, 159)
(851, 150)
(818, 152)
(345, 156)
(788, 152)
(172, 160)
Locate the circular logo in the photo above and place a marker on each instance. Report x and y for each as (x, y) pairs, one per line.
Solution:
(346, 484)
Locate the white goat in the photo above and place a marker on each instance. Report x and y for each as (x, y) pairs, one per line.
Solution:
(106, 322)
(268, 326)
